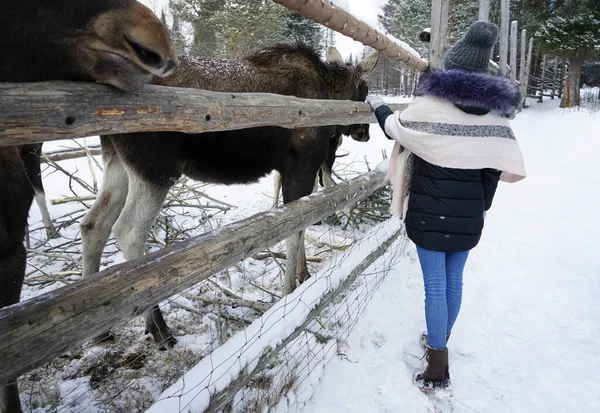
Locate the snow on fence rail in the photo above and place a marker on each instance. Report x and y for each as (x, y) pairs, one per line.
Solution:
(323, 12)
(69, 316)
(212, 385)
(46, 111)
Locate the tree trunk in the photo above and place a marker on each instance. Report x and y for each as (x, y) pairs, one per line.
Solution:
(570, 97)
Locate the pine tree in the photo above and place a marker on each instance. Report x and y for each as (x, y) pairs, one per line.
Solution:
(200, 15)
(573, 32)
(163, 18)
(306, 30)
(177, 36)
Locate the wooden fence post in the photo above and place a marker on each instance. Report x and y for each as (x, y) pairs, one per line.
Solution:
(484, 10)
(439, 33)
(523, 85)
(505, 8)
(513, 52)
(528, 67)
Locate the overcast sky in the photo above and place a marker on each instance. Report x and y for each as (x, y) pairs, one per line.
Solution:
(366, 10)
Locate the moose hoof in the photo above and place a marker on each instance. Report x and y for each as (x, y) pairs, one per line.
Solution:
(163, 339)
(303, 276)
(167, 344)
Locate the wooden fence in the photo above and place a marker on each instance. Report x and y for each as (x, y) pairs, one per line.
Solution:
(47, 111)
(66, 317)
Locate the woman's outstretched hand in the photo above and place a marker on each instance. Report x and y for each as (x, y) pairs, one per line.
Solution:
(375, 101)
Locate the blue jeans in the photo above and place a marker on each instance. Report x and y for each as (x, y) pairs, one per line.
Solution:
(442, 276)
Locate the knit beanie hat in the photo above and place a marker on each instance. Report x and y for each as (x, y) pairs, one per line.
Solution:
(472, 53)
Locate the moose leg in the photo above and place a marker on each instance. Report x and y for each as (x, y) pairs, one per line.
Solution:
(97, 223)
(276, 188)
(9, 398)
(296, 186)
(16, 195)
(142, 207)
(12, 271)
(30, 154)
(326, 173)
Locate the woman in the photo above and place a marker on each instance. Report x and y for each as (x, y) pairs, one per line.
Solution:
(453, 144)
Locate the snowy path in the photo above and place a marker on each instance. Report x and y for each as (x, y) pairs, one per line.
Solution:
(527, 337)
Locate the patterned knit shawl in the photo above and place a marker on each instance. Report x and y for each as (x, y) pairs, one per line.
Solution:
(436, 130)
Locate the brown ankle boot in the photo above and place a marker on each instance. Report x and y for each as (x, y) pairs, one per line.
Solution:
(437, 362)
(437, 374)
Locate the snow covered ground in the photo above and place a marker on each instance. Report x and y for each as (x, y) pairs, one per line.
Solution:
(528, 333)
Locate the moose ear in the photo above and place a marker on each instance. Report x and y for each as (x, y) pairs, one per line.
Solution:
(333, 55)
(368, 64)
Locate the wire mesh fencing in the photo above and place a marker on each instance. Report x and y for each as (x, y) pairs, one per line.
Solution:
(280, 352)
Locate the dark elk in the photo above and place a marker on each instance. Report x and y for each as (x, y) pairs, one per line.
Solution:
(139, 169)
(115, 42)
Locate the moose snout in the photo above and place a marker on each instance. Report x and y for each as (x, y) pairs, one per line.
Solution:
(161, 64)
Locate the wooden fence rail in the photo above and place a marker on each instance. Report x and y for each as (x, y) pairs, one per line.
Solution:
(35, 331)
(45, 111)
(322, 11)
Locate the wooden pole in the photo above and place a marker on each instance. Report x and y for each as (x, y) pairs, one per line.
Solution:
(35, 331)
(513, 52)
(528, 68)
(325, 13)
(522, 85)
(505, 7)
(554, 76)
(45, 111)
(543, 79)
(439, 33)
(484, 10)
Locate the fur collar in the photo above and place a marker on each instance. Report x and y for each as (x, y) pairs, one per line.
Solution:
(474, 90)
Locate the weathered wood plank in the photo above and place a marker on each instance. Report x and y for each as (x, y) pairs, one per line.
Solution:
(504, 12)
(44, 111)
(513, 52)
(484, 10)
(323, 12)
(528, 67)
(69, 316)
(523, 65)
(439, 33)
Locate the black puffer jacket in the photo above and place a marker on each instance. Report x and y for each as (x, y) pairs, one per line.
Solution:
(445, 208)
